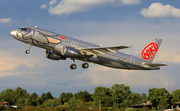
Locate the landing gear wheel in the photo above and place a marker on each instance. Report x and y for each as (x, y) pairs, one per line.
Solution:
(73, 66)
(27, 51)
(85, 65)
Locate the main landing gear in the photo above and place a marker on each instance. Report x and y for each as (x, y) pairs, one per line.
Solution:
(73, 66)
(85, 65)
(29, 47)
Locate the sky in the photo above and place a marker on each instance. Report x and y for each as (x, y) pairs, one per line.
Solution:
(102, 22)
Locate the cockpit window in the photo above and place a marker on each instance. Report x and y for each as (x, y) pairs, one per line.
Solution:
(25, 30)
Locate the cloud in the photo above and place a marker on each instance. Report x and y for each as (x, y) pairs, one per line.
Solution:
(5, 20)
(160, 10)
(43, 6)
(72, 6)
(131, 2)
(16, 62)
(52, 2)
(104, 76)
(12, 65)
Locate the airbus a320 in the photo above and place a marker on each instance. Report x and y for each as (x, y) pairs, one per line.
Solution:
(60, 47)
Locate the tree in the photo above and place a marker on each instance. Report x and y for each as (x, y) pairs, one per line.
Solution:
(39, 101)
(48, 96)
(85, 96)
(163, 103)
(130, 109)
(7, 91)
(34, 95)
(50, 103)
(134, 98)
(143, 98)
(122, 95)
(65, 97)
(175, 96)
(155, 94)
(21, 102)
(57, 101)
(69, 95)
(80, 103)
(104, 95)
(73, 102)
(43, 96)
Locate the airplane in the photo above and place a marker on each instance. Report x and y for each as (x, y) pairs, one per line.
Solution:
(61, 47)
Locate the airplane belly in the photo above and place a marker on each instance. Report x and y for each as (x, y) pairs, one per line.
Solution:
(112, 63)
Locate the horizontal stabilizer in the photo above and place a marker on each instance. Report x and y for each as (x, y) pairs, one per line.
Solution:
(154, 64)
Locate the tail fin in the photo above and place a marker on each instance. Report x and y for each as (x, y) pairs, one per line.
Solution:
(149, 52)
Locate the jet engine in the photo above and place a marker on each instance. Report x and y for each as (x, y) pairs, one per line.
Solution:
(70, 52)
(54, 55)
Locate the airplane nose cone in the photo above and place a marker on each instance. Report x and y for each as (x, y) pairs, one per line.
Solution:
(13, 33)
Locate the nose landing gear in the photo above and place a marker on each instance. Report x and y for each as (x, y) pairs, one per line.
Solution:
(29, 47)
(27, 51)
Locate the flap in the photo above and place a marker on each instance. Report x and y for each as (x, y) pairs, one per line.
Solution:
(101, 50)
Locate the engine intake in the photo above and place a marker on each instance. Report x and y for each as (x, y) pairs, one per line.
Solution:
(54, 55)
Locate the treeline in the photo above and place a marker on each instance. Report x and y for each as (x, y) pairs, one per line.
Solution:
(118, 96)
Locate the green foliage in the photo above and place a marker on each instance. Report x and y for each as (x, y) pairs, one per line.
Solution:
(155, 94)
(88, 103)
(122, 95)
(80, 103)
(48, 96)
(7, 91)
(65, 97)
(66, 104)
(103, 94)
(21, 102)
(34, 96)
(175, 96)
(143, 98)
(43, 96)
(85, 96)
(39, 101)
(130, 109)
(115, 105)
(163, 103)
(118, 95)
(50, 103)
(73, 102)
(57, 101)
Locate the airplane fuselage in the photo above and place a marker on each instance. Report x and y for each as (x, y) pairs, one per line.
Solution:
(68, 47)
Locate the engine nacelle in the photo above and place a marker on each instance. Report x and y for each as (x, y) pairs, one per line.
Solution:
(54, 55)
(70, 52)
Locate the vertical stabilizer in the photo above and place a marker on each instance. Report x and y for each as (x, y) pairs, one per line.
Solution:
(149, 52)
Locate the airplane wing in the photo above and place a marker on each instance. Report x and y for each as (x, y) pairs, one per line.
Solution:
(101, 50)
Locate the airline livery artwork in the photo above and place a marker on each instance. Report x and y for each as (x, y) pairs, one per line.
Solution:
(149, 51)
(38, 38)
